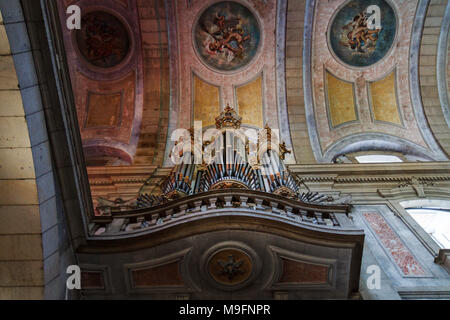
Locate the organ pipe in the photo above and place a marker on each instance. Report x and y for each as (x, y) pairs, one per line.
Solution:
(231, 167)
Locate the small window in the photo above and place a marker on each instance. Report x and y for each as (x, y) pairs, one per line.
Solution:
(435, 222)
(377, 158)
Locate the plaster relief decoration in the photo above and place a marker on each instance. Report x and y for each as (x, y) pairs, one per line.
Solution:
(230, 267)
(227, 36)
(103, 40)
(400, 254)
(356, 38)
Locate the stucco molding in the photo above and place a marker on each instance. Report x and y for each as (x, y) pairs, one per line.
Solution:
(283, 116)
(428, 168)
(441, 65)
(174, 72)
(176, 257)
(400, 174)
(307, 80)
(416, 97)
(376, 141)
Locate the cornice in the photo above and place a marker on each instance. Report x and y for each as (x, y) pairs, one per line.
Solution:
(373, 173)
(104, 176)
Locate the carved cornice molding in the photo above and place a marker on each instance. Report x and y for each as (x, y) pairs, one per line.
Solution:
(386, 181)
(400, 173)
(113, 181)
(122, 170)
(414, 190)
(357, 180)
(109, 176)
(443, 258)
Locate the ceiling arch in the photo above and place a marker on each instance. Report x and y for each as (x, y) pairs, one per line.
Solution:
(294, 59)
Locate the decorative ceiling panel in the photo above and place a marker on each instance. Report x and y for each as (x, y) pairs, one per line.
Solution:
(249, 51)
(156, 90)
(341, 104)
(383, 100)
(106, 73)
(250, 102)
(206, 101)
(370, 57)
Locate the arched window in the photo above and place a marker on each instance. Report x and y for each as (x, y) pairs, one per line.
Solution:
(378, 158)
(368, 157)
(435, 222)
(433, 216)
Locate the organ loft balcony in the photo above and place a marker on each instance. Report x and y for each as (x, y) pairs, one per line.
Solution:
(236, 224)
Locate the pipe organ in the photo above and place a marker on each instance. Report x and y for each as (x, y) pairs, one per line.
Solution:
(234, 157)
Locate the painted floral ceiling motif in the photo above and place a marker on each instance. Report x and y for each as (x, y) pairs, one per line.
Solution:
(103, 40)
(227, 36)
(357, 38)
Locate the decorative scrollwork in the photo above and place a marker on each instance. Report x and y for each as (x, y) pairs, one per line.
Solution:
(228, 119)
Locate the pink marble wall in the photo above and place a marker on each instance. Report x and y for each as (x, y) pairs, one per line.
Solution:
(398, 58)
(189, 61)
(401, 255)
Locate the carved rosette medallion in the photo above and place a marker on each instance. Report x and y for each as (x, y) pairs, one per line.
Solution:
(230, 267)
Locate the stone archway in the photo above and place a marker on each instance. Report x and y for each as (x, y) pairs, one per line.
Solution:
(36, 242)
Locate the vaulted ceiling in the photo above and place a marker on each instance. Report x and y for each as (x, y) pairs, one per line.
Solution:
(142, 68)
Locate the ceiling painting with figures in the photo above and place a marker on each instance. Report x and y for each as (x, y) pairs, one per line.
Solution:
(227, 36)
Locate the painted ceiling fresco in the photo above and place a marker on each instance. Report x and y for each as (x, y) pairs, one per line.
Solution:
(243, 65)
(325, 73)
(387, 113)
(227, 36)
(355, 39)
